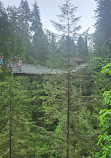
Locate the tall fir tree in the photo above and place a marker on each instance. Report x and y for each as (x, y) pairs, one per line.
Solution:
(68, 26)
(16, 44)
(103, 24)
(39, 40)
(35, 19)
(14, 120)
(5, 32)
(24, 18)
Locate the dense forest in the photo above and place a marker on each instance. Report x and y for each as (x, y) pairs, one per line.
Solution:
(64, 115)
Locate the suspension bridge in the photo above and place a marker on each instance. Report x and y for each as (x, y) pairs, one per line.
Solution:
(28, 69)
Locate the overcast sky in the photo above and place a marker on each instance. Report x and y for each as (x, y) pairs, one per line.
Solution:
(49, 9)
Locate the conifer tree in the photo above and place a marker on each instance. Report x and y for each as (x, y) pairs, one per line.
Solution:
(52, 41)
(16, 45)
(35, 19)
(68, 26)
(63, 46)
(24, 21)
(24, 18)
(103, 24)
(82, 47)
(39, 40)
(14, 120)
(5, 31)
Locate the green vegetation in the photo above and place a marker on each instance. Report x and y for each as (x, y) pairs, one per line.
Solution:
(36, 119)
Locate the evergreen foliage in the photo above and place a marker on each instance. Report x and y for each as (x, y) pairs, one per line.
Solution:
(33, 109)
(82, 47)
(103, 24)
(14, 120)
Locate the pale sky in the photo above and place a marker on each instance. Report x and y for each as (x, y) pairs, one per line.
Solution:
(49, 9)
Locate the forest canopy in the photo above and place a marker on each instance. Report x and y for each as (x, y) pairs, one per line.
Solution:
(66, 115)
